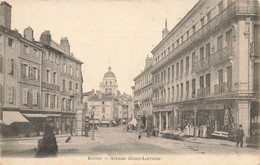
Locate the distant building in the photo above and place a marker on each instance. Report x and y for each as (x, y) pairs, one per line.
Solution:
(143, 102)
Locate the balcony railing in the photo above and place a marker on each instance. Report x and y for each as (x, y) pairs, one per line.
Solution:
(238, 7)
(223, 88)
(159, 101)
(49, 86)
(158, 85)
(221, 55)
(201, 65)
(203, 91)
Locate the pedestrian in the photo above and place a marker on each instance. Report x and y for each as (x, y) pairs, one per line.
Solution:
(187, 129)
(240, 135)
(148, 130)
(47, 145)
(140, 133)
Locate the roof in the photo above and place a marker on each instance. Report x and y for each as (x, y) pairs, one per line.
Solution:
(88, 93)
(102, 98)
(109, 73)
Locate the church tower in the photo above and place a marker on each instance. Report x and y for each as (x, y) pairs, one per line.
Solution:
(109, 84)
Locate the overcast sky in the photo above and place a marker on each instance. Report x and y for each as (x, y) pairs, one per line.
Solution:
(123, 31)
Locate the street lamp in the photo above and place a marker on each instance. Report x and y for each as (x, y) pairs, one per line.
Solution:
(93, 118)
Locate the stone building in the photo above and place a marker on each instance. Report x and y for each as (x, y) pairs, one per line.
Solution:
(206, 69)
(143, 102)
(31, 75)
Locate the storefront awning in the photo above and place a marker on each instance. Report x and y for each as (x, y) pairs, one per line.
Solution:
(105, 122)
(114, 122)
(10, 117)
(35, 115)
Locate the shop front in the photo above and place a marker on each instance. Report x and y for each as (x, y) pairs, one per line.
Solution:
(68, 123)
(37, 123)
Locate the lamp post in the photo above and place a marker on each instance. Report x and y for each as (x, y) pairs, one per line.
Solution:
(93, 118)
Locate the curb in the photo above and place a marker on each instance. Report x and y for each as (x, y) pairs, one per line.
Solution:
(29, 138)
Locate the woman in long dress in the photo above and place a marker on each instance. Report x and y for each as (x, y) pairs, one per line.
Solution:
(187, 129)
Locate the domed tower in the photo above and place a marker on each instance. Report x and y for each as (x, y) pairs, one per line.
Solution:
(109, 83)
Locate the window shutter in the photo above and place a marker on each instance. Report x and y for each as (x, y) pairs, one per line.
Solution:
(22, 71)
(52, 101)
(38, 74)
(9, 65)
(25, 96)
(35, 97)
(46, 100)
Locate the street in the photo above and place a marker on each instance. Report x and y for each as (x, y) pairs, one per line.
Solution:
(113, 141)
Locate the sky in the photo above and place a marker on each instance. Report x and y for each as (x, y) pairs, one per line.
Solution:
(119, 33)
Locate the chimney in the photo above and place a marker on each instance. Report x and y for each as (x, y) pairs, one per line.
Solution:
(46, 38)
(5, 14)
(28, 33)
(148, 61)
(64, 42)
(165, 30)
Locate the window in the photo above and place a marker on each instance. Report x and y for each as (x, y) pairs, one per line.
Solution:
(110, 83)
(229, 77)
(201, 53)
(25, 96)
(207, 80)
(178, 42)
(103, 110)
(228, 39)
(188, 33)
(55, 77)
(35, 52)
(208, 51)
(181, 68)
(187, 88)
(256, 76)
(177, 92)
(64, 68)
(181, 90)
(193, 29)
(71, 104)
(177, 70)
(63, 104)
(172, 72)
(77, 87)
(11, 66)
(24, 71)
(169, 50)
(220, 76)
(193, 59)
(202, 22)
(47, 100)
(208, 16)
(193, 87)
(26, 49)
(181, 39)
(220, 43)
(70, 85)
(71, 71)
(220, 7)
(34, 73)
(63, 85)
(187, 64)
(169, 73)
(201, 82)
(35, 97)
(10, 96)
(48, 75)
(173, 93)
(77, 73)
(53, 101)
(173, 46)
(10, 42)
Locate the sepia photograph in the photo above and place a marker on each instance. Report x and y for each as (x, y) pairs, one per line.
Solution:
(130, 82)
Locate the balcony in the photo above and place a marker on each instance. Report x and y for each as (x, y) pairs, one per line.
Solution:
(223, 88)
(221, 56)
(159, 101)
(157, 85)
(238, 7)
(49, 86)
(201, 65)
(202, 92)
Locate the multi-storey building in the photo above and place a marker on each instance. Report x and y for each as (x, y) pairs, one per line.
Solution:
(206, 69)
(143, 94)
(31, 77)
(62, 83)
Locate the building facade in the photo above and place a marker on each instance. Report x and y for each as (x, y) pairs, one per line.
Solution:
(143, 102)
(206, 69)
(32, 78)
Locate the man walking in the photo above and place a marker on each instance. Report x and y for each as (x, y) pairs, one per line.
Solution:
(240, 135)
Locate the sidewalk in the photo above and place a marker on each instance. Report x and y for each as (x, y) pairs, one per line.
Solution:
(2, 139)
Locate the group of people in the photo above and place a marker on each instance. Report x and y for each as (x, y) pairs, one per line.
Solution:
(198, 131)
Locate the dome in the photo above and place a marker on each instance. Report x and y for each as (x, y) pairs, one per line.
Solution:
(109, 73)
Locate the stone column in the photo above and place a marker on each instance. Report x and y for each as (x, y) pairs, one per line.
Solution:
(167, 120)
(154, 119)
(160, 121)
(244, 116)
